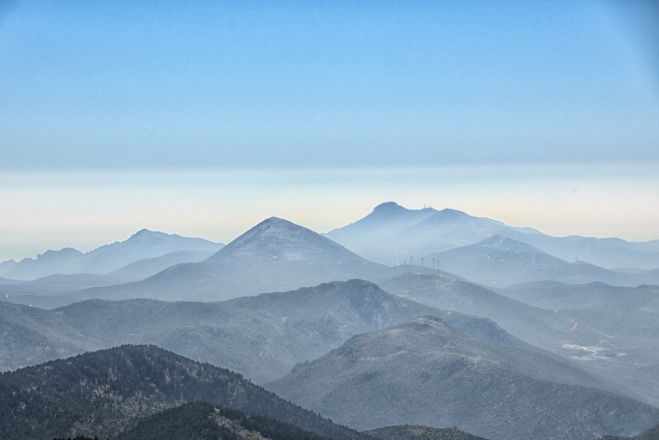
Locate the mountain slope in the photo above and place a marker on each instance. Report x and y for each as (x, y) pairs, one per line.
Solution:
(416, 432)
(262, 337)
(415, 233)
(619, 343)
(105, 392)
(392, 233)
(141, 245)
(273, 255)
(202, 421)
(365, 236)
(649, 434)
(426, 372)
(626, 317)
(51, 291)
(502, 261)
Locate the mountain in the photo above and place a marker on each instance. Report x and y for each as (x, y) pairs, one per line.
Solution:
(141, 245)
(273, 255)
(624, 317)
(6, 266)
(426, 372)
(29, 335)
(262, 337)
(6, 281)
(649, 434)
(140, 269)
(106, 392)
(365, 235)
(202, 421)
(391, 234)
(501, 261)
(619, 344)
(417, 432)
(554, 295)
(51, 291)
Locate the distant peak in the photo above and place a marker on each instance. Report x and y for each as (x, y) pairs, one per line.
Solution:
(272, 229)
(142, 233)
(395, 207)
(448, 212)
(388, 206)
(276, 222)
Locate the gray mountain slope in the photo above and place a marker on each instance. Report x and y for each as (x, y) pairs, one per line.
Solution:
(554, 295)
(141, 245)
(29, 336)
(627, 319)
(534, 325)
(273, 255)
(417, 432)
(141, 269)
(501, 261)
(398, 233)
(57, 284)
(51, 291)
(6, 266)
(365, 235)
(262, 337)
(618, 345)
(426, 372)
(648, 434)
(5, 281)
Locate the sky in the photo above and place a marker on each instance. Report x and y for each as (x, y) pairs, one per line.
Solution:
(202, 118)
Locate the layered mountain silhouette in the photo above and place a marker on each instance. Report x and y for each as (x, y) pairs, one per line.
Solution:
(144, 244)
(619, 343)
(262, 337)
(627, 351)
(107, 392)
(426, 372)
(273, 255)
(501, 261)
(391, 234)
(52, 290)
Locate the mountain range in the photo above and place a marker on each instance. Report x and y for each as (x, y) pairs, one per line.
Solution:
(273, 255)
(107, 392)
(142, 245)
(262, 336)
(426, 372)
(619, 343)
(502, 261)
(391, 234)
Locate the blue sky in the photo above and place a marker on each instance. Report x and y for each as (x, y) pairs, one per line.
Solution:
(117, 88)
(146, 84)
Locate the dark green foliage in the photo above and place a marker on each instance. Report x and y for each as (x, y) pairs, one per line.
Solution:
(201, 421)
(105, 392)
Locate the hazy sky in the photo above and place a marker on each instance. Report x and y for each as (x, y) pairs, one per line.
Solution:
(203, 117)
